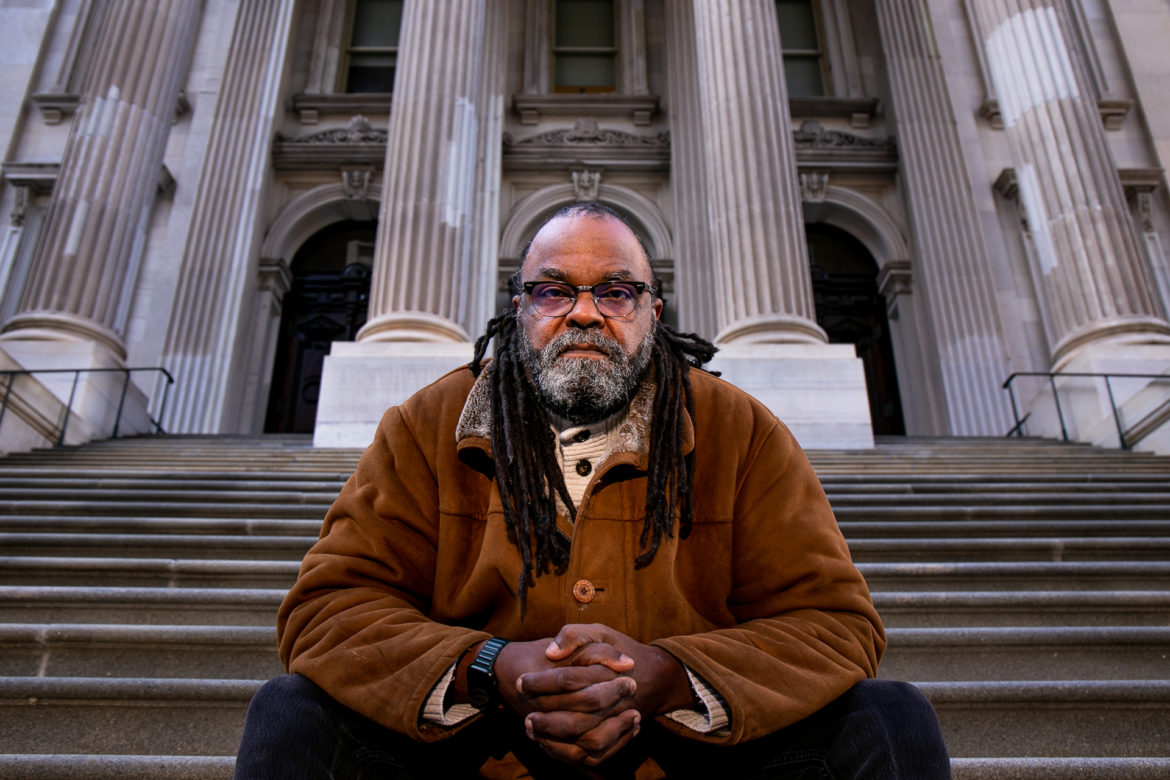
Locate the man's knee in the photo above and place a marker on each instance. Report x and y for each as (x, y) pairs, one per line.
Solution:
(898, 720)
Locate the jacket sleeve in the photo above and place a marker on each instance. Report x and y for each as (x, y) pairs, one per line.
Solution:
(355, 621)
(806, 628)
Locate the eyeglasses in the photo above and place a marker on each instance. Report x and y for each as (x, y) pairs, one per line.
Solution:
(556, 299)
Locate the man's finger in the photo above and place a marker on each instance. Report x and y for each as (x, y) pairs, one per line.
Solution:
(601, 698)
(594, 746)
(572, 638)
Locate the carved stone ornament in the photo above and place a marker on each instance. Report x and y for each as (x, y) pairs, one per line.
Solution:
(813, 133)
(814, 186)
(356, 131)
(587, 133)
(586, 184)
(20, 205)
(356, 181)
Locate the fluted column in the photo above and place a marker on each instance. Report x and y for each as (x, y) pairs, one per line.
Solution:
(86, 264)
(692, 251)
(1088, 270)
(759, 259)
(951, 261)
(205, 343)
(425, 268)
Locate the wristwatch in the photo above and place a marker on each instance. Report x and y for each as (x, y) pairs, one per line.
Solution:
(481, 675)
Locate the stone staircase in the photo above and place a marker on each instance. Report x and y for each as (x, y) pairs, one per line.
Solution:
(1025, 586)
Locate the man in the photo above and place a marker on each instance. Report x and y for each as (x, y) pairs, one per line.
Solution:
(584, 558)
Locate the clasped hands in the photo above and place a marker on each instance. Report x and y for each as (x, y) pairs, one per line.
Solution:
(584, 693)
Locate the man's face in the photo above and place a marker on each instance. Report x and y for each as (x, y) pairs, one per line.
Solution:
(585, 365)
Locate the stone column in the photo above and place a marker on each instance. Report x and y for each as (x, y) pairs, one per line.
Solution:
(423, 274)
(951, 262)
(762, 287)
(1089, 273)
(692, 249)
(86, 264)
(206, 344)
(435, 258)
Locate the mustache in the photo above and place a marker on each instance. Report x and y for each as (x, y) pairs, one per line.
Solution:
(586, 338)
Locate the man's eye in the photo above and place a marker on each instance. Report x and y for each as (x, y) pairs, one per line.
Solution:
(552, 293)
(616, 293)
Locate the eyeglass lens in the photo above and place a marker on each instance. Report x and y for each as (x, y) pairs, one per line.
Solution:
(613, 299)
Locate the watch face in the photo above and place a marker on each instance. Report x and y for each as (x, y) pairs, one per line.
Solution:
(481, 687)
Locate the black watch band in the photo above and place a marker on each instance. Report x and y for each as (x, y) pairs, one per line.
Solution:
(481, 675)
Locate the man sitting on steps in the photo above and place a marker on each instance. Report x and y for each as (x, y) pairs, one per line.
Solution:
(586, 557)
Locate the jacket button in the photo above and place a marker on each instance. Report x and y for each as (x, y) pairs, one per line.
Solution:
(584, 467)
(584, 591)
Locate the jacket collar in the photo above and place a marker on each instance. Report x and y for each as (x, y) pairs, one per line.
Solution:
(631, 439)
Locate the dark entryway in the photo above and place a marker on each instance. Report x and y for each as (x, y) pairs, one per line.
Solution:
(327, 302)
(852, 311)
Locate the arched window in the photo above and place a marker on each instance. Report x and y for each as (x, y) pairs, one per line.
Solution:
(852, 311)
(327, 302)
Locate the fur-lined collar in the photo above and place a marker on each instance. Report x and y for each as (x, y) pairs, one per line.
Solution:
(632, 434)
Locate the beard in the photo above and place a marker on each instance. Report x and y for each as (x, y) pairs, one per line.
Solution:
(586, 390)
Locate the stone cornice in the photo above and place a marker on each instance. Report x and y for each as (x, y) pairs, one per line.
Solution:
(358, 143)
(586, 143)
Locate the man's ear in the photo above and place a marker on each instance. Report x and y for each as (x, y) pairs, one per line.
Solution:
(657, 308)
(515, 303)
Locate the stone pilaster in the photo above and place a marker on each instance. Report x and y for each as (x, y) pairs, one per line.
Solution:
(217, 277)
(1089, 272)
(951, 261)
(759, 259)
(86, 263)
(692, 249)
(424, 265)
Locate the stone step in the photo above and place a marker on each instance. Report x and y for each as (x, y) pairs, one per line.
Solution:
(79, 766)
(1060, 768)
(1028, 653)
(280, 510)
(235, 526)
(265, 548)
(1132, 548)
(941, 609)
(149, 572)
(1101, 527)
(1103, 719)
(949, 512)
(188, 717)
(97, 650)
(140, 605)
(1023, 575)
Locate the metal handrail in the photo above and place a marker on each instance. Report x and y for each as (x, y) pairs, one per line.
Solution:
(11, 376)
(1017, 428)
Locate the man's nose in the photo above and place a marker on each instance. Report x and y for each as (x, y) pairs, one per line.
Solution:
(585, 313)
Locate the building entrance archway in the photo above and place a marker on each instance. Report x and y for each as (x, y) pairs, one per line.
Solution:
(327, 301)
(851, 310)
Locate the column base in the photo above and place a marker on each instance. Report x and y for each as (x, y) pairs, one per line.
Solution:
(817, 390)
(1085, 408)
(361, 380)
(39, 405)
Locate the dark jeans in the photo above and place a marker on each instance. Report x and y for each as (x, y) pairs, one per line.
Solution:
(878, 730)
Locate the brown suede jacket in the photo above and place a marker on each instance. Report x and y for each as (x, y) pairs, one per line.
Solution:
(413, 566)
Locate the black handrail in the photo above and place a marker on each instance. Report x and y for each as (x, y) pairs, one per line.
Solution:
(1052, 375)
(11, 376)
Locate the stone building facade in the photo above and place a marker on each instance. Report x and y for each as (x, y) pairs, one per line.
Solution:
(303, 210)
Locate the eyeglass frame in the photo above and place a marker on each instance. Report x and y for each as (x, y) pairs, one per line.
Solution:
(639, 288)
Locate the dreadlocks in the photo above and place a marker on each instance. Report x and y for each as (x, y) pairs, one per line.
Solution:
(524, 448)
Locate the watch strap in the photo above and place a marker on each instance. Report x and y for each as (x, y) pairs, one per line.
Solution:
(481, 674)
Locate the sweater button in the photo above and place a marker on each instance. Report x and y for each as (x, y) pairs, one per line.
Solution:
(581, 436)
(584, 467)
(584, 591)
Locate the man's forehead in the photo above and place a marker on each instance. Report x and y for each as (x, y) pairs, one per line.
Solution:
(599, 243)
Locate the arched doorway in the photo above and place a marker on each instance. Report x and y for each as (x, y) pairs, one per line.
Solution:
(852, 311)
(327, 302)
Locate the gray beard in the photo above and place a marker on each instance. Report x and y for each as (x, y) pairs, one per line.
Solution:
(585, 390)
